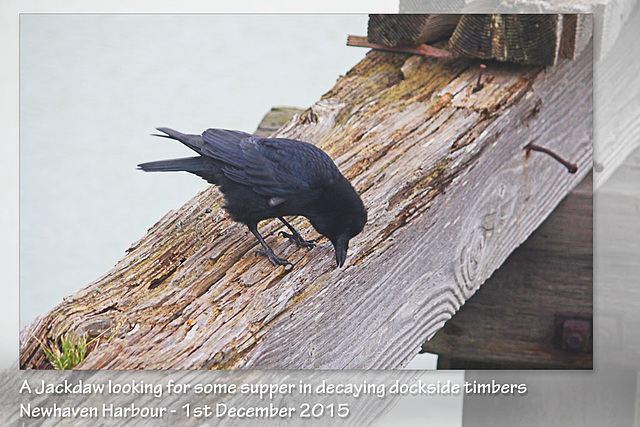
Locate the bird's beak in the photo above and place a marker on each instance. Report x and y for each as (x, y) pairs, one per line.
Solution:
(340, 245)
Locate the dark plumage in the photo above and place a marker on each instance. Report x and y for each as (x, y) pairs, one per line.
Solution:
(272, 178)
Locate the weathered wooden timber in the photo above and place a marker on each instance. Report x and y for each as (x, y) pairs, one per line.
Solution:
(617, 68)
(611, 393)
(540, 39)
(450, 194)
(617, 294)
(617, 111)
(609, 16)
(275, 118)
(410, 29)
(516, 319)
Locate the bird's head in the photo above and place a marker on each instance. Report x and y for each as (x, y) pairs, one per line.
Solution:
(351, 224)
(339, 215)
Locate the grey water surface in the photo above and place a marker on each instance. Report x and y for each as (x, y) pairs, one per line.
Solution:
(94, 87)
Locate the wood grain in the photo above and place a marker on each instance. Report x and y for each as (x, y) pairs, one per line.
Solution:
(510, 322)
(409, 29)
(617, 112)
(616, 231)
(610, 17)
(450, 194)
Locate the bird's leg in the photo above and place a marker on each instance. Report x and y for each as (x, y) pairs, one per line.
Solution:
(295, 236)
(268, 252)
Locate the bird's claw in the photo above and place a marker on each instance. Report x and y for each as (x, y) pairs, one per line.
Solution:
(298, 240)
(275, 260)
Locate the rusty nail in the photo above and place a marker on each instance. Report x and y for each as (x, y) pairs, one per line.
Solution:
(571, 167)
(479, 84)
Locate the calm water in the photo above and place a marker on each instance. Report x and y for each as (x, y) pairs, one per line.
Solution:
(92, 89)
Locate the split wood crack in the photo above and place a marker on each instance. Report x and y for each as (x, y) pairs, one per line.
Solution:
(449, 194)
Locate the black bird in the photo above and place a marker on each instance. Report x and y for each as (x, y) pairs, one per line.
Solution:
(263, 178)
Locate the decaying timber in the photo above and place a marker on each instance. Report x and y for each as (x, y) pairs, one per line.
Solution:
(450, 193)
(609, 16)
(616, 229)
(528, 39)
(540, 39)
(617, 110)
(512, 321)
(274, 119)
(614, 26)
(410, 29)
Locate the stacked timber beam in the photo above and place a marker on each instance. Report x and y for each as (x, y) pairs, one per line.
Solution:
(617, 72)
(526, 39)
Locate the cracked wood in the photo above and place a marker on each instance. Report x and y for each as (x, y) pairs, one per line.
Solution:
(450, 194)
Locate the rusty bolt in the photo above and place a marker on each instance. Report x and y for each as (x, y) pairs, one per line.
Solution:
(573, 334)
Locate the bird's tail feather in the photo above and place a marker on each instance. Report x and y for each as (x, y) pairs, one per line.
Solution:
(192, 141)
(172, 134)
(187, 164)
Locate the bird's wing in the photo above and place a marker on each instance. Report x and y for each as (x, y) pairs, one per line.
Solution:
(273, 167)
(224, 145)
(278, 167)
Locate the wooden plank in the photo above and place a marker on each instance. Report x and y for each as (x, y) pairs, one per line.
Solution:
(527, 39)
(616, 29)
(510, 321)
(617, 112)
(616, 227)
(450, 193)
(409, 29)
(610, 17)
(274, 119)
(577, 31)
